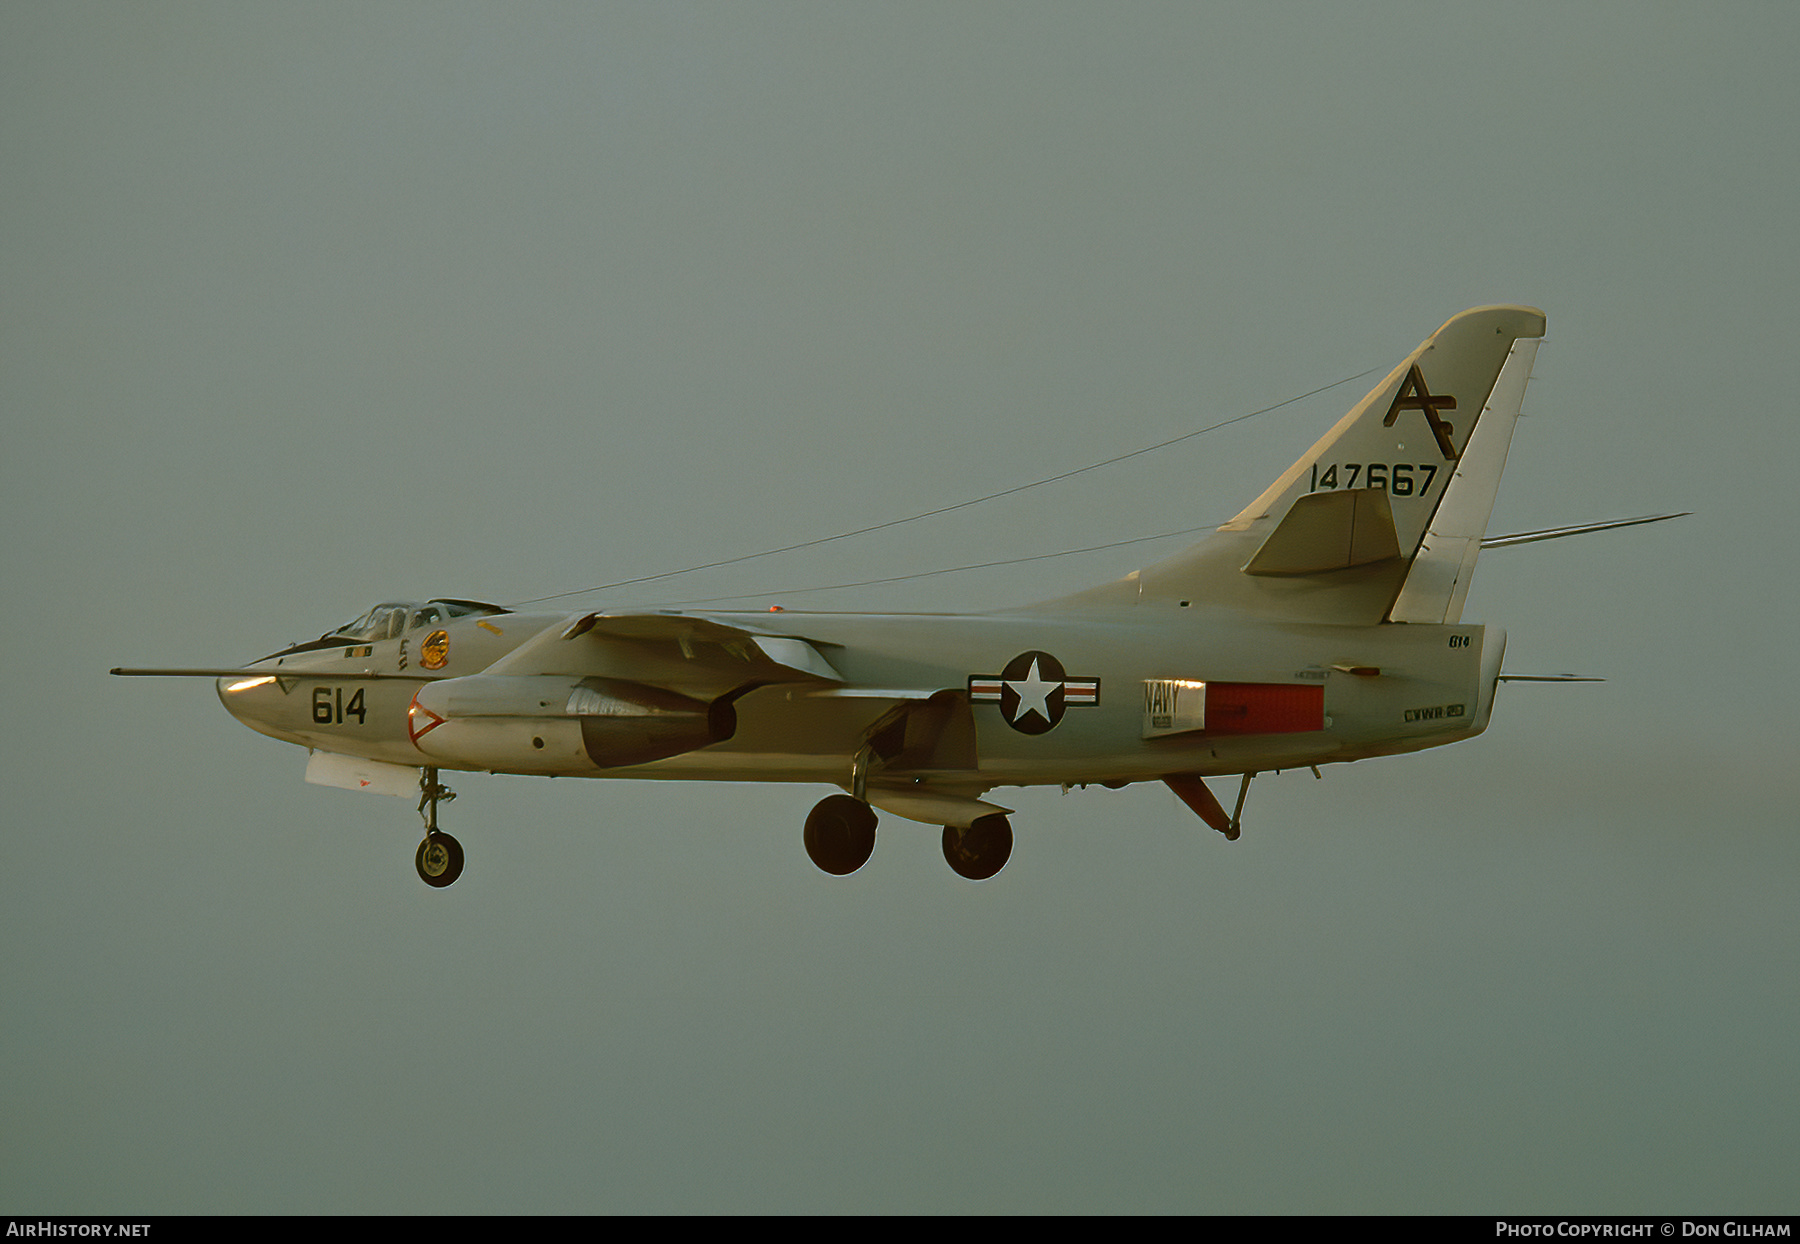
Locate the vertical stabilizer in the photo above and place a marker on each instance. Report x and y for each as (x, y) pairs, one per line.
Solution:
(1438, 582)
(1299, 553)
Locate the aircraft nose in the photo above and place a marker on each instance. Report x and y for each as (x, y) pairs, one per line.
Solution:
(234, 685)
(247, 697)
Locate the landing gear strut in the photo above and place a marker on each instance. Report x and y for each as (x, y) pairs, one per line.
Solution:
(1194, 794)
(440, 857)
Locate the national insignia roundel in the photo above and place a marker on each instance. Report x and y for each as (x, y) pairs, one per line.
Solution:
(1033, 692)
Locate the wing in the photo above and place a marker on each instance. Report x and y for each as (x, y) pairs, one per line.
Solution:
(690, 653)
(649, 686)
(268, 674)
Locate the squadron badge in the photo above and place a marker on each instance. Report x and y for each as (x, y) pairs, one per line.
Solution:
(434, 653)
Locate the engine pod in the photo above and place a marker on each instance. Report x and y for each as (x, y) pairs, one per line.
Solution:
(550, 724)
(626, 723)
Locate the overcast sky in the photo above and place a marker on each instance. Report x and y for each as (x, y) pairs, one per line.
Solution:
(307, 306)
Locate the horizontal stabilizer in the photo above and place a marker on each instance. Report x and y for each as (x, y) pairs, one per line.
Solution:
(1327, 531)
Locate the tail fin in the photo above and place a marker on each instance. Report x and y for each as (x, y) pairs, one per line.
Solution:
(1438, 582)
(1335, 537)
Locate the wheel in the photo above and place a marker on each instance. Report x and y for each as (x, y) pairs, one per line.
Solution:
(981, 850)
(840, 834)
(439, 860)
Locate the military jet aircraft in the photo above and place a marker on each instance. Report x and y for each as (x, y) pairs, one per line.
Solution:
(1322, 624)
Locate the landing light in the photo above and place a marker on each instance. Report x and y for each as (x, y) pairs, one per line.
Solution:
(251, 682)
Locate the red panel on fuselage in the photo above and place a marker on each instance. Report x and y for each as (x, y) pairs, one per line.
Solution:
(1263, 708)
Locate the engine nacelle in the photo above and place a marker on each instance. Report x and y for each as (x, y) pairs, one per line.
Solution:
(556, 724)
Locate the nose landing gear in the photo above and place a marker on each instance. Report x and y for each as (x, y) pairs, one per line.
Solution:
(440, 857)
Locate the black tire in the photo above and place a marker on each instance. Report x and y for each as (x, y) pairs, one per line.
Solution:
(840, 834)
(439, 860)
(981, 850)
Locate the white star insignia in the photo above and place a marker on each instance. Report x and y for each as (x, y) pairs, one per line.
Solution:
(1034, 693)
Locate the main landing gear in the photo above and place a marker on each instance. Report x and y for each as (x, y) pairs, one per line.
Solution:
(981, 850)
(440, 857)
(840, 837)
(840, 834)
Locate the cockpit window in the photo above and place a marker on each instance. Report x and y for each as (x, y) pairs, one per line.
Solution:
(387, 621)
(467, 608)
(381, 622)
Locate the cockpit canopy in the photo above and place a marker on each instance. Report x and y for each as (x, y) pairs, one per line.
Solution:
(395, 618)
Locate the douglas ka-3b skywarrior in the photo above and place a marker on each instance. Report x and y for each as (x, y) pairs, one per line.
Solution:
(1322, 624)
